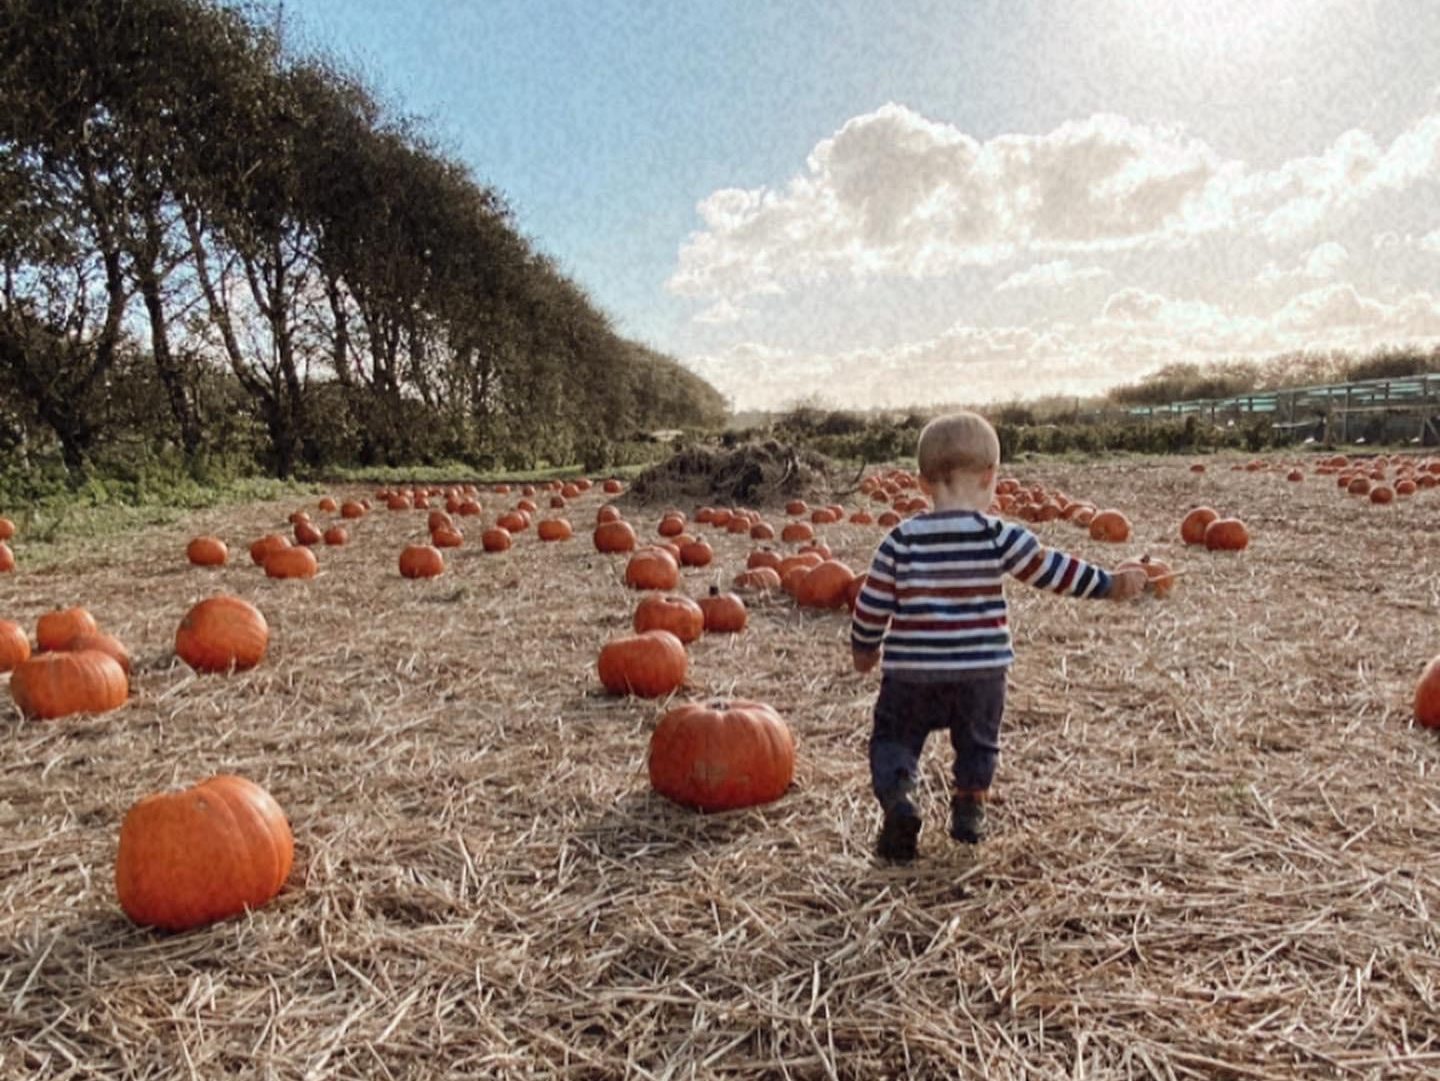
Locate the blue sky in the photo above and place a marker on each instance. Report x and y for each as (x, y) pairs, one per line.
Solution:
(966, 200)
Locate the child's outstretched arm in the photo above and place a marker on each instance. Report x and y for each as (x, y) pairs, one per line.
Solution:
(1027, 560)
(874, 606)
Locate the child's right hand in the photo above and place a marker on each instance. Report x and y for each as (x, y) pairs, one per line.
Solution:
(1127, 584)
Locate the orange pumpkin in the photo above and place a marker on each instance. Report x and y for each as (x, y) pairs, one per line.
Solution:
(650, 665)
(7, 558)
(672, 525)
(263, 548)
(724, 613)
(1226, 535)
(352, 509)
(614, 536)
(797, 532)
(613, 487)
(447, 536)
(757, 580)
(1161, 578)
(764, 557)
(222, 634)
(720, 756)
(14, 646)
(55, 629)
(1194, 524)
(421, 561)
(495, 539)
(1382, 493)
(608, 513)
(336, 535)
(207, 552)
(1427, 696)
(7, 529)
(762, 531)
(51, 685)
(327, 504)
(679, 615)
(291, 563)
(307, 534)
(515, 521)
(1358, 486)
(825, 586)
(696, 554)
(1110, 526)
(652, 568)
(190, 858)
(555, 529)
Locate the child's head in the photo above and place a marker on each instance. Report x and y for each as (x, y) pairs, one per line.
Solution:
(958, 443)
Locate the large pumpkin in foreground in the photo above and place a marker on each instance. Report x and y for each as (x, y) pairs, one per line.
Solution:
(650, 664)
(719, 756)
(51, 685)
(222, 633)
(1427, 696)
(205, 854)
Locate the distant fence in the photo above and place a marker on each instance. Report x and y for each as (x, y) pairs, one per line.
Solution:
(1372, 411)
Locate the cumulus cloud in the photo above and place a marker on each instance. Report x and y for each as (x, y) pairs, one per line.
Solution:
(1059, 274)
(897, 194)
(1134, 331)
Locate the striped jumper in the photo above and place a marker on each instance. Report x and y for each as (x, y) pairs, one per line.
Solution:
(936, 582)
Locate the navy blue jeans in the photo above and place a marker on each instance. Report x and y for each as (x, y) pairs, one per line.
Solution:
(908, 711)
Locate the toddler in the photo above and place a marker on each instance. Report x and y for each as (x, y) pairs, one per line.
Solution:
(934, 598)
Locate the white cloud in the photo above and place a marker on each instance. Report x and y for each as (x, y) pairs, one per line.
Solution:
(721, 312)
(896, 194)
(1431, 242)
(1136, 330)
(1058, 274)
(1322, 263)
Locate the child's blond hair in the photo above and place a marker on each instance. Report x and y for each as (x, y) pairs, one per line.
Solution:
(957, 442)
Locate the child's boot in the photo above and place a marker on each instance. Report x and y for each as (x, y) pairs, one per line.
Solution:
(967, 816)
(900, 829)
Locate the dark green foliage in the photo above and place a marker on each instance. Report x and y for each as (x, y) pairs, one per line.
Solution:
(213, 248)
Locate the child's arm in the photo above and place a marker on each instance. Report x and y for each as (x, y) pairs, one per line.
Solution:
(873, 608)
(1027, 560)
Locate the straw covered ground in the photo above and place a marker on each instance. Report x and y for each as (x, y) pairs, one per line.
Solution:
(1212, 851)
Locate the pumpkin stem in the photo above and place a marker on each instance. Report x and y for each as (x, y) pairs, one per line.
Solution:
(714, 591)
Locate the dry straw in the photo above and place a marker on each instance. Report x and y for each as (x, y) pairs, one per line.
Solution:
(1213, 849)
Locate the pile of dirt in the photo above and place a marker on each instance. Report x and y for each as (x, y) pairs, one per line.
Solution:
(751, 474)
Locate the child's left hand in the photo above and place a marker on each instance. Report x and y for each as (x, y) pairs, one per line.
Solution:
(865, 659)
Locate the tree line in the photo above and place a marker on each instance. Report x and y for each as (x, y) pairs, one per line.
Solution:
(214, 247)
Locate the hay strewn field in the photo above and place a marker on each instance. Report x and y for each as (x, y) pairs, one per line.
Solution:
(1213, 851)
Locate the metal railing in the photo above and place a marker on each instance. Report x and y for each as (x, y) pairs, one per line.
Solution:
(1288, 405)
